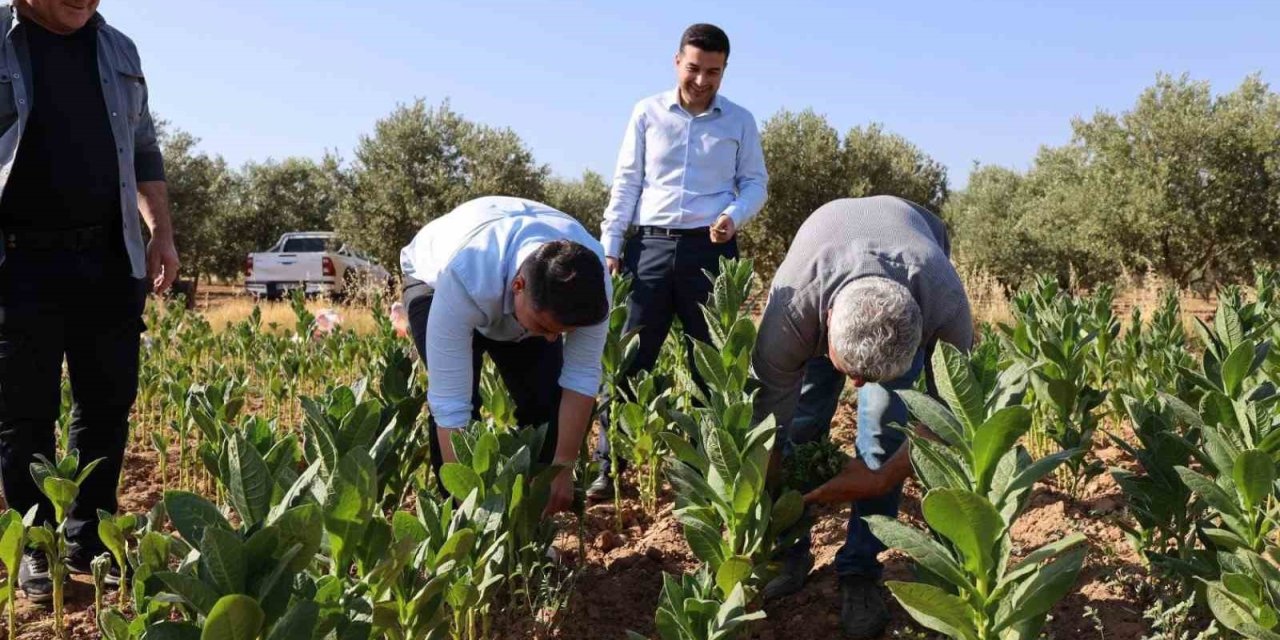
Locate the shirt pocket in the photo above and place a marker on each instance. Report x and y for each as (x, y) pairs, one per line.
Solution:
(131, 86)
(8, 99)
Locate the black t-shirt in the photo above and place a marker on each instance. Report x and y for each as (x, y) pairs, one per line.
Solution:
(66, 174)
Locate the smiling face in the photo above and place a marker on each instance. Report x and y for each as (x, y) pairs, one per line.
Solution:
(698, 76)
(538, 323)
(59, 16)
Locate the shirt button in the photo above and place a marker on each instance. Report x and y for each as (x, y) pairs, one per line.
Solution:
(17, 75)
(22, 100)
(123, 184)
(113, 114)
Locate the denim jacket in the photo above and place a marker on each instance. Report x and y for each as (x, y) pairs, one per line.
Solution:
(124, 89)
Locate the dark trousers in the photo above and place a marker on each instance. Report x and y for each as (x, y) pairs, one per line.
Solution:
(83, 306)
(530, 369)
(878, 407)
(668, 281)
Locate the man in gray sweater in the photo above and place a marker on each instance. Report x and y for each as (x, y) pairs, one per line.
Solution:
(865, 293)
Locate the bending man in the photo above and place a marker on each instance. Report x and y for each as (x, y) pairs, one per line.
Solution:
(525, 284)
(865, 292)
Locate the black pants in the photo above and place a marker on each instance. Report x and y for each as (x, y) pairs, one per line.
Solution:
(84, 306)
(667, 282)
(530, 369)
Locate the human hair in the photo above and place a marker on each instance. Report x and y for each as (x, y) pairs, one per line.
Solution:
(707, 37)
(875, 329)
(567, 280)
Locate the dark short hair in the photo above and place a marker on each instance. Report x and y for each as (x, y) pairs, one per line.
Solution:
(707, 37)
(567, 280)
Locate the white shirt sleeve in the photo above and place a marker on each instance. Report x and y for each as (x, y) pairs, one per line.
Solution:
(628, 180)
(451, 328)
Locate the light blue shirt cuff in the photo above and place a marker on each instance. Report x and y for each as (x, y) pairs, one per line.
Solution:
(612, 245)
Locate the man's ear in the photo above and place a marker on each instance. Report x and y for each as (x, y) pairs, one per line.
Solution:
(517, 285)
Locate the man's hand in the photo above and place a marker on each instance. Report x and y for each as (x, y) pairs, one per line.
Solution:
(562, 488)
(723, 230)
(162, 262)
(614, 264)
(859, 482)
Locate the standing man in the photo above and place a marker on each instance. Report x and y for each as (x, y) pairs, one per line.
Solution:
(525, 284)
(78, 163)
(690, 174)
(865, 293)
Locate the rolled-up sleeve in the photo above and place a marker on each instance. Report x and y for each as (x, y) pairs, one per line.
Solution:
(628, 180)
(583, 351)
(751, 179)
(450, 328)
(778, 362)
(148, 161)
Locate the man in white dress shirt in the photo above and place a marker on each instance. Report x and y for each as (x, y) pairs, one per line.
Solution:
(525, 284)
(690, 174)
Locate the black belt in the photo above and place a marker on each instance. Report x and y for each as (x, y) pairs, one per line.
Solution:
(77, 239)
(663, 231)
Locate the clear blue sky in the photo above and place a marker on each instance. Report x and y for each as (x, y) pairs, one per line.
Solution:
(988, 81)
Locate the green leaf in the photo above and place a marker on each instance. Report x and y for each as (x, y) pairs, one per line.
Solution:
(1236, 368)
(936, 417)
(251, 481)
(460, 480)
(234, 617)
(304, 526)
(969, 521)
(222, 556)
(957, 386)
(12, 540)
(1235, 614)
(704, 541)
(1254, 474)
(923, 549)
(1045, 588)
(787, 511)
(172, 630)
(299, 622)
(993, 439)
(1212, 494)
(935, 609)
(61, 492)
(349, 502)
(732, 572)
(199, 595)
(191, 515)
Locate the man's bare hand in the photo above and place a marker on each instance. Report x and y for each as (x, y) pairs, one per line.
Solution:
(723, 230)
(561, 498)
(162, 263)
(858, 482)
(614, 264)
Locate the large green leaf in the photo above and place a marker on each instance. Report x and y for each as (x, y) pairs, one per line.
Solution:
(172, 630)
(704, 541)
(1236, 368)
(199, 595)
(993, 439)
(349, 501)
(935, 609)
(1254, 474)
(923, 549)
(304, 526)
(251, 482)
(731, 573)
(1045, 588)
(969, 522)
(12, 540)
(460, 480)
(1234, 614)
(957, 386)
(222, 555)
(299, 622)
(1212, 494)
(936, 417)
(234, 617)
(191, 515)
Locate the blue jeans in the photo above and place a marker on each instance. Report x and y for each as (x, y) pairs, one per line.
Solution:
(878, 407)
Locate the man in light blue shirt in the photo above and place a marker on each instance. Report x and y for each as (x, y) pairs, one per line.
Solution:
(690, 173)
(526, 284)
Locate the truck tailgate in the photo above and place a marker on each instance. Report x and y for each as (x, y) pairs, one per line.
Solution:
(287, 267)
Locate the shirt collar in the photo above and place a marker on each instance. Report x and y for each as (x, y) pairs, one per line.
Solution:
(672, 100)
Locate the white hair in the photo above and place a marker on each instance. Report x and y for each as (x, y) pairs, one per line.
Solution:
(874, 329)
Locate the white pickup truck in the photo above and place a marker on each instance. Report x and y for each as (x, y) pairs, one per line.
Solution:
(316, 262)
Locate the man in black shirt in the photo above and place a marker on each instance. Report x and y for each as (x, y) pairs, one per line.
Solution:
(79, 162)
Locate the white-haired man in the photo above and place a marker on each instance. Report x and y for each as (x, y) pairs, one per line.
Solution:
(865, 293)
